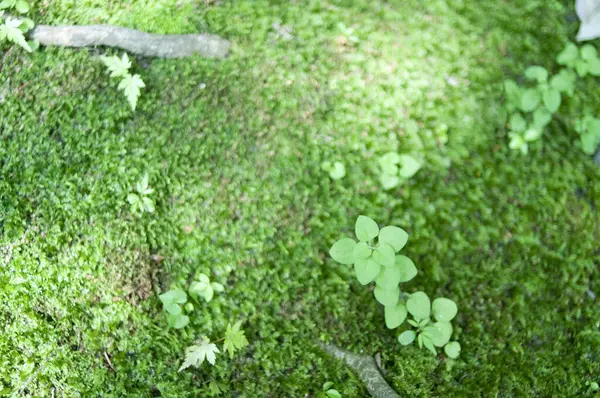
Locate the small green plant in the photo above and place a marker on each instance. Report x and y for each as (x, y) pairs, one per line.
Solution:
(583, 60)
(336, 170)
(13, 29)
(21, 6)
(233, 341)
(431, 334)
(329, 392)
(588, 129)
(531, 108)
(139, 200)
(130, 84)
(175, 301)
(375, 259)
(396, 169)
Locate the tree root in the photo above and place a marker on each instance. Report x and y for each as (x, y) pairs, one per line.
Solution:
(367, 371)
(133, 41)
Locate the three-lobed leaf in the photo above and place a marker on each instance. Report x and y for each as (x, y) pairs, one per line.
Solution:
(568, 55)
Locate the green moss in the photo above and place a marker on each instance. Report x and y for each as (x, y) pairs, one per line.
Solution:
(233, 149)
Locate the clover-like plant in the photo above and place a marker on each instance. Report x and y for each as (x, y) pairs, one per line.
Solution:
(430, 334)
(139, 200)
(375, 258)
(531, 108)
(175, 301)
(583, 60)
(588, 129)
(396, 169)
(130, 84)
(336, 170)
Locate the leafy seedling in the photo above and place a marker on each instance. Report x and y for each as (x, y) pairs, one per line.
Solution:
(139, 200)
(129, 84)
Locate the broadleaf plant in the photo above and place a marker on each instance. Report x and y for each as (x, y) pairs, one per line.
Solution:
(130, 84)
(196, 354)
(375, 258)
(139, 200)
(396, 169)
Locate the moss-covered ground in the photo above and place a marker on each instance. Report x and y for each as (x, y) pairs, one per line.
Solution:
(233, 150)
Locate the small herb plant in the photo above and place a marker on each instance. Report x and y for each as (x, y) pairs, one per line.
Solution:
(130, 84)
(583, 60)
(396, 169)
(175, 301)
(329, 392)
(336, 170)
(375, 259)
(139, 200)
(588, 129)
(13, 29)
(531, 108)
(233, 341)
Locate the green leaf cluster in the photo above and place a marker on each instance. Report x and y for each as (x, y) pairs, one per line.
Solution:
(233, 341)
(129, 84)
(175, 302)
(20, 6)
(336, 170)
(13, 30)
(588, 129)
(139, 200)
(375, 258)
(329, 392)
(531, 107)
(429, 333)
(396, 169)
(583, 60)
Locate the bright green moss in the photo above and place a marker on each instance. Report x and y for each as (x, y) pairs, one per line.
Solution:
(233, 149)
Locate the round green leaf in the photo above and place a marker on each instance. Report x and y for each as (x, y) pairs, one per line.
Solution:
(394, 236)
(389, 181)
(384, 254)
(22, 6)
(337, 171)
(536, 72)
(588, 52)
(530, 100)
(389, 277)
(418, 305)
(173, 308)
(407, 337)
(581, 66)
(333, 393)
(394, 316)
(406, 267)
(541, 117)
(444, 309)
(342, 251)
(551, 100)
(366, 229)
(517, 123)
(173, 296)
(178, 321)
(564, 81)
(409, 166)
(568, 55)
(533, 133)
(452, 349)
(366, 270)
(388, 298)
(594, 66)
(361, 251)
(442, 331)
